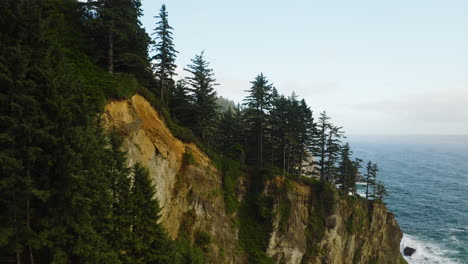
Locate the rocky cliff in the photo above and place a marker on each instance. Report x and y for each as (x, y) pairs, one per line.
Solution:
(309, 225)
(315, 230)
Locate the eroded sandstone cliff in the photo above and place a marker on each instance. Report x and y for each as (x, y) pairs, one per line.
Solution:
(191, 196)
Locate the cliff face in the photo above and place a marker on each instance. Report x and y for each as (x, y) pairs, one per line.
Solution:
(353, 231)
(189, 189)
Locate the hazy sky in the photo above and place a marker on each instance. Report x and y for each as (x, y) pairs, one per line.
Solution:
(387, 67)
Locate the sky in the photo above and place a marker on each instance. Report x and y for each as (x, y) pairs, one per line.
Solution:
(376, 67)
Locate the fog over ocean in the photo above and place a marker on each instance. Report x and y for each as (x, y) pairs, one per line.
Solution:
(427, 178)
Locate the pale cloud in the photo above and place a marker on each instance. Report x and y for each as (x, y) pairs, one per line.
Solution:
(309, 89)
(436, 111)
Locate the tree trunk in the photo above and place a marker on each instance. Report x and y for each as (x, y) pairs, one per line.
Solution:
(28, 224)
(15, 220)
(110, 53)
(284, 156)
(367, 187)
(261, 144)
(162, 87)
(300, 161)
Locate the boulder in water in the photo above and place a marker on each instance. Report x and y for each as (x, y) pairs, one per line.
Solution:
(408, 251)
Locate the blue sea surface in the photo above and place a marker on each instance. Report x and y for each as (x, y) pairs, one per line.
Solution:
(427, 179)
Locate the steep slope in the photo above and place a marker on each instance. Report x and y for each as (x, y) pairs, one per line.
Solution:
(310, 222)
(187, 185)
(351, 230)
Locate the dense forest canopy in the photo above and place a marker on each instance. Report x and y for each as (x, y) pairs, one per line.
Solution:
(66, 193)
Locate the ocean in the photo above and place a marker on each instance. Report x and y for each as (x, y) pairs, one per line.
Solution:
(427, 179)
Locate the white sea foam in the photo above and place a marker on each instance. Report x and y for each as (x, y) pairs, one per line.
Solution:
(426, 252)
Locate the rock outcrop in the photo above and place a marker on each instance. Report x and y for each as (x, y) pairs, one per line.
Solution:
(351, 230)
(190, 193)
(191, 196)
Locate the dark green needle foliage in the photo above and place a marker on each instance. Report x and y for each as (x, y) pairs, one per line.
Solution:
(201, 84)
(148, 239)
(164, 59)
(66, 193)
(258, 103)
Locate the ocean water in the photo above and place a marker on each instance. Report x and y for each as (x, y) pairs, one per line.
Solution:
(427, 178)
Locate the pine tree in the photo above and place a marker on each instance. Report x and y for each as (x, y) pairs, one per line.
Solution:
(180, 105)
(345, 168)
(120, 184)
(375, 169)
(351, 183)
(165, 54)
(226, 132)
(380, 191)
(306, 130)
(149, 241)
(332, 152)
(279, 128)
(371, 175)
(115, 27)
(258, 102)
(202, 84)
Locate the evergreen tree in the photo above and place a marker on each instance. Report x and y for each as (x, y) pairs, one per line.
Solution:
(354, 174)
(119, 178)
(333, 147)
(226, 132)
(202, 84)
(115, 29)
(306, 130)
(279, 129)
(149, 241)
(371, 175)
(319, 149)
(348, 170)
(165, 54)
(345, 168)
(258, 103)
(326, 147)
(65, 192)
(380, 191)
(180, 105)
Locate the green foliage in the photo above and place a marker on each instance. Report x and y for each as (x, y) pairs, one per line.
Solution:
(203, 240)
(188, 159)
(255, 222)
(323, 202)
(164, 59)
(187, 254)
(202, 82)
(284, 204)
(357, 220)
(231, 171)
(184, 134)
(66, 194)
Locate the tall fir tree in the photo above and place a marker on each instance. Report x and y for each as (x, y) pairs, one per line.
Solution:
(380, 191)
(306, 130)
(164, 59)
(371, 175)
(202, 83)
(279, 129)
(333, 148)
(149, 241)
(258, 102)
(115, 28)
(181, 105)
(319, 149)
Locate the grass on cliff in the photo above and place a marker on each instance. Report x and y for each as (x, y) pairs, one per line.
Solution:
(255, 216)
(323, 201)
(231, 171)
